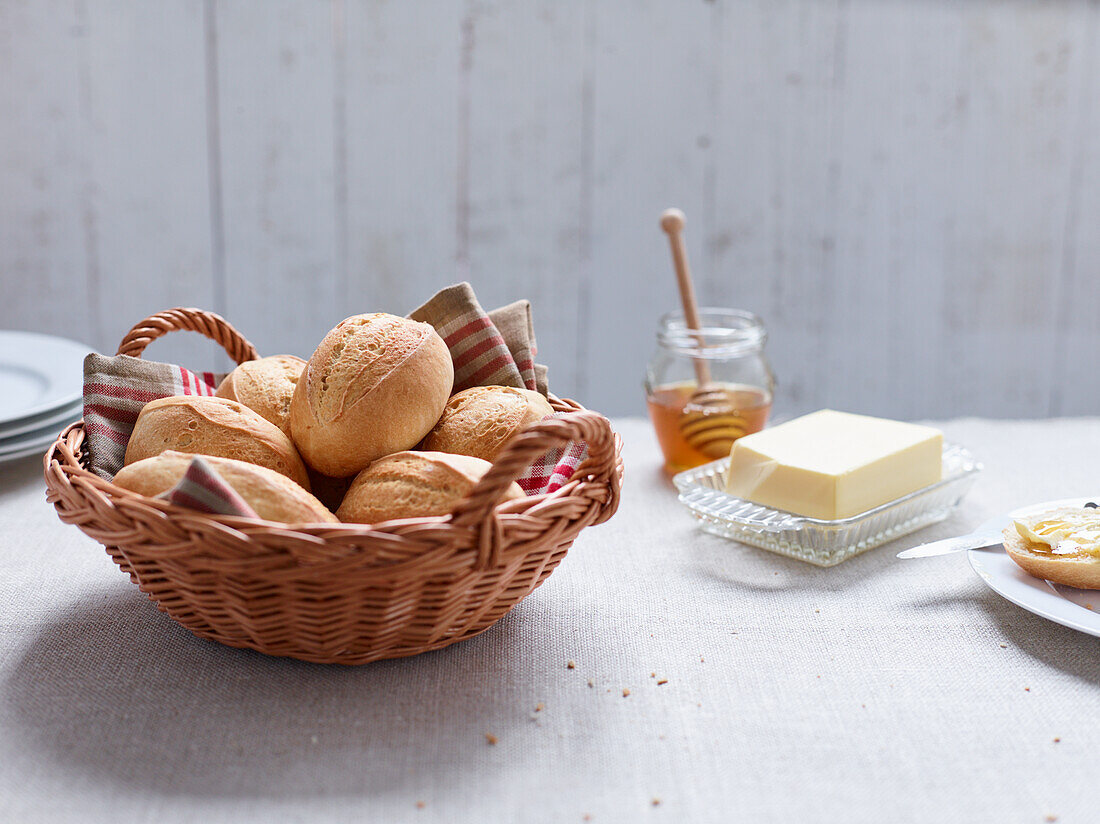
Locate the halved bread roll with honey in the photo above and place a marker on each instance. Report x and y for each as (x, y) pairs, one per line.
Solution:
(272, 496)
(1061, 546)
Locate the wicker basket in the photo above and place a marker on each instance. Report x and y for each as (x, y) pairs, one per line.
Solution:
(343, 593)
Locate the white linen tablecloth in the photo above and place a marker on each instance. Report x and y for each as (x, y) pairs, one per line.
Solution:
(878, 690)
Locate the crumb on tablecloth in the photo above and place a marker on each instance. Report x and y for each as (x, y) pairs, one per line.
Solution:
(662, 682)
(626, 692)
(490, 739)
(570, 664)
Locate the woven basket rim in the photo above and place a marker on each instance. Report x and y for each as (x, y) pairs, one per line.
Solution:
(307, 527)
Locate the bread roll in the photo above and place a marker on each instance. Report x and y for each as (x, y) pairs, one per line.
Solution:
(213, 426)
(412, 485)
(265, 385)
(479, 421)
(272, 496)
(375, 385)
(1081, 570)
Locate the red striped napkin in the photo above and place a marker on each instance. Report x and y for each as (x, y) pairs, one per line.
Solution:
(116, 389)
(203, 489)
(488, 348)
(555, 468)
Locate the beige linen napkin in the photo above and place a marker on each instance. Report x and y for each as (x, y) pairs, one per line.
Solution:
(488, 348)
(115, 390)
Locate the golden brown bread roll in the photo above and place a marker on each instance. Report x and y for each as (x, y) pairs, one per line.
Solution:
(272, 496)
(213, 426)
(1081, 570)
(375, 385)
(479, 421)
(265, 385)
(413, 485)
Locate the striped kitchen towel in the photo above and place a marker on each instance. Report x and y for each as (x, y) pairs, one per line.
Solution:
(555, 468)
(202, 489)
(518, 330)
(115, 390)
(488, 348)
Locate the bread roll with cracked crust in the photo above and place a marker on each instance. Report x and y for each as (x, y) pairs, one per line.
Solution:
(479, 421)
(265, 385)
(1081, 571)
(375, 386)
(214, 426)
(272, 496)
(414, 485)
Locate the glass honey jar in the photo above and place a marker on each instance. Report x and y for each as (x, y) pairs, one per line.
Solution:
(706, 388)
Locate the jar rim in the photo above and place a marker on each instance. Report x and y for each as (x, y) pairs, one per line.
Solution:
(724, 332)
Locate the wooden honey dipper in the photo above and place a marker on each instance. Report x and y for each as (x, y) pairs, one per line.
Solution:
(709, 421)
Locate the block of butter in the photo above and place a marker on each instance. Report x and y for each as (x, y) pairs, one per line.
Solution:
(832, 465)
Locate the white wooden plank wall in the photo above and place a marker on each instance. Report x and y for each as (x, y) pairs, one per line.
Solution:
(906, 190)
(149, 180)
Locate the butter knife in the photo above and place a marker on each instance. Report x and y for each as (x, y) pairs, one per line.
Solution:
(981, 540)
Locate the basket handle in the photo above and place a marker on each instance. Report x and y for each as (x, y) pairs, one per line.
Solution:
(213, 326)
(591, 427)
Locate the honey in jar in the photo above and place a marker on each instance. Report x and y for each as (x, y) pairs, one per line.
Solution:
(692, 431)
(670, 410)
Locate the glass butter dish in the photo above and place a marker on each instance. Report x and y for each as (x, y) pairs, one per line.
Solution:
(824, 543)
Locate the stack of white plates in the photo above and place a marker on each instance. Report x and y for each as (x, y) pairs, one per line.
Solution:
(41, 390)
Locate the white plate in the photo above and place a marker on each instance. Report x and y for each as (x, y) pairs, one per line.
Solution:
(31, 446)
(1077, 609)
(38, 373)
(54, 419)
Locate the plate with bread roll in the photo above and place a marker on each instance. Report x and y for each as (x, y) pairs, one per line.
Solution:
(1051, 562)
(399, 490)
